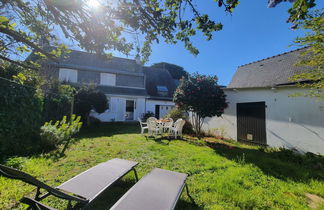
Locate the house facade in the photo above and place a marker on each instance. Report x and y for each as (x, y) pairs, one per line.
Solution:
(263, 111)
(131, 88)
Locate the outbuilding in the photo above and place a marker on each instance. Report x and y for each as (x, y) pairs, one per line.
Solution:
(264, 111)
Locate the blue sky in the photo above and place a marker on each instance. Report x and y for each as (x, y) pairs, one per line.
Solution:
(251, 33)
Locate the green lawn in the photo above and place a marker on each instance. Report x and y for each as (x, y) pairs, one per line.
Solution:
(222, 175)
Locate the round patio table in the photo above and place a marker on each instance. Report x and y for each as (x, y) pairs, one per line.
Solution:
(161, 124)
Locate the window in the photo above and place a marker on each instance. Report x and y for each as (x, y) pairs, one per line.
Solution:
(107, 79)
(68, 75)
(162, 90)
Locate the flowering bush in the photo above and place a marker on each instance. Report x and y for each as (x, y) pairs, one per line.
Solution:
(59, 132)
(200, 95)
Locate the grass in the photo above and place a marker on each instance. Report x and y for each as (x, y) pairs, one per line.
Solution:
(222, 174)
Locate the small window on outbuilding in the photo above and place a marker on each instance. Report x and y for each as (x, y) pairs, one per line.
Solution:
(162, 90)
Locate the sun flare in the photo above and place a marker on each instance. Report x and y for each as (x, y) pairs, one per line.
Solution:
(93, 3)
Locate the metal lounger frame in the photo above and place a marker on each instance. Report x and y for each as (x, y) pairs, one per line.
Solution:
(34, 202)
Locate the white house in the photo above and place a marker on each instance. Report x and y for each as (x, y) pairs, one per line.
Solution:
(131, 89)
(262, 111)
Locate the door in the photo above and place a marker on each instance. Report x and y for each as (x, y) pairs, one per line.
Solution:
(157, 111)
(251, 125)
(120, 109)
(130, 106)
(164, 110)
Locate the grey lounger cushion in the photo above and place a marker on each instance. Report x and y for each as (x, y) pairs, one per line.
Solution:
(158, 190)
(93, 181)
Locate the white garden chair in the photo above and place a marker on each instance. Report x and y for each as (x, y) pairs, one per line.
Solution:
(153, 128)
(151, 118)
(143, 125)
(176, 129)
(167, 125)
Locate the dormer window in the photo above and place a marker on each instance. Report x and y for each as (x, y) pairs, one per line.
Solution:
(162, 90)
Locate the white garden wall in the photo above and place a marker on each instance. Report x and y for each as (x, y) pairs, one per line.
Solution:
(291, 122)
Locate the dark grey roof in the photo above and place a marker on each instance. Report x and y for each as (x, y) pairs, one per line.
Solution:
(159, 77)
(268, 72)
(90, 61)
(122, 91)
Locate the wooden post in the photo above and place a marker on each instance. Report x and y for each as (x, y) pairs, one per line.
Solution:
(72, 107)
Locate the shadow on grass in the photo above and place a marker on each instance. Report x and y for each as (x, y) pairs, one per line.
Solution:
(93, 131)
(108, 198)
(164, 140)
(109, 129)
(283, 164)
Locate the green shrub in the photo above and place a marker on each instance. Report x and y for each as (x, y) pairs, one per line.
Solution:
(94, 120)
(89, 98)
(20, 111)
(60, 132)
(147, 115)
(16, 162)
(176, 114)
(58, 100)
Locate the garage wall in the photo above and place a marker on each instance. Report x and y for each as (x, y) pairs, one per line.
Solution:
(291, 122)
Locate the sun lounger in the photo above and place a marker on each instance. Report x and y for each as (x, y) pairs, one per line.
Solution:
(158, 190)
(82, 189)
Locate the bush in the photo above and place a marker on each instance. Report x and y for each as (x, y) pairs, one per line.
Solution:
(147, 115)
(59, 133)
(176, 114)
(20, 111)
(202, 96)
(57, 101)
(89, 98)
(16, 162)
(94, 120)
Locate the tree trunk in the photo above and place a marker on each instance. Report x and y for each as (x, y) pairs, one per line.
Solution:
(197, 124)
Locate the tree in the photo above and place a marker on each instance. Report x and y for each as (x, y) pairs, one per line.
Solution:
(200, 95)
(27, 25)
(299, 9)
(88, 97)
(313, 57)
(58, 100)
(177, 72)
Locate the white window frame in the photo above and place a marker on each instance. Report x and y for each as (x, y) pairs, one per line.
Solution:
(109, 104)
(68, 75)
(107, 79)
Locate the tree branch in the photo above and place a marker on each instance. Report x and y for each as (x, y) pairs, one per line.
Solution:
(148, 17)
(19, 38)
(17, 63)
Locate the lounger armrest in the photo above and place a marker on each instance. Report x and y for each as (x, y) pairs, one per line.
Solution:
(35, 204)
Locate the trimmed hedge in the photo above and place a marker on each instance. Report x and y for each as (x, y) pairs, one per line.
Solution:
(20, 111)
